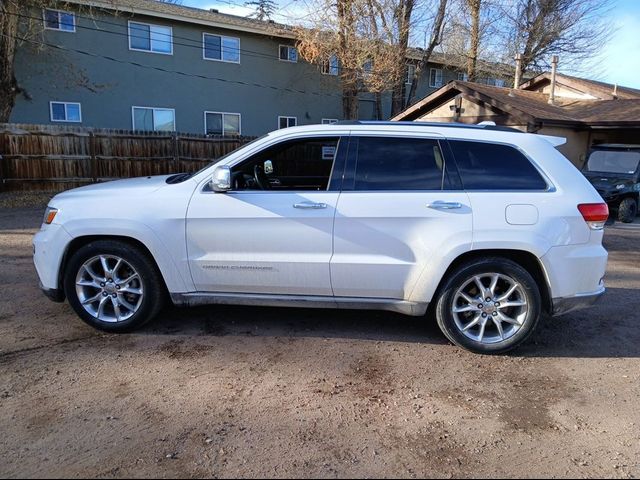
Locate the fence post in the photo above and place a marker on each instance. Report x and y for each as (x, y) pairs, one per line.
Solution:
(92, 158)
(176, 153)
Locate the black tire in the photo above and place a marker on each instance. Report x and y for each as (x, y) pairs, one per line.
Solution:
(628, 210)
(150, 279)
(458, 278)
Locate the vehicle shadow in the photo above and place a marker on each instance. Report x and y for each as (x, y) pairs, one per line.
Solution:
(608, 330)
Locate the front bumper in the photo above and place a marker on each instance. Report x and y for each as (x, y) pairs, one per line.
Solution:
(53, 294)
(576, 302)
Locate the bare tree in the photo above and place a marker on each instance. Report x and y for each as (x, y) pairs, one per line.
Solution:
(264, 9)
(344, 41)
(474, 7)
(12, 14)
(538, 29)
(435, 39)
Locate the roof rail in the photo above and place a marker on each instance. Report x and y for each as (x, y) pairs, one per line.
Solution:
(430, 124)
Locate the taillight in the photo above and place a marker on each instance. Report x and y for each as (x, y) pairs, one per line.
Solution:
(595, 214)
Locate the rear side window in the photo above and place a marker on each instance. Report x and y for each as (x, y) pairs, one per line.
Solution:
(399, 164)
(490, 166)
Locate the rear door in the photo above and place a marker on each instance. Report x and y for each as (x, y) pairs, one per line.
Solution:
(400, 206)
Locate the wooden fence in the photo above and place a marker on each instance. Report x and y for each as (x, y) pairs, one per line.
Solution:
(54, 158)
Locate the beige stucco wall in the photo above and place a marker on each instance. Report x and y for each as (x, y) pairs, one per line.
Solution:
(577, 143)
(469, 109)
(564, 92)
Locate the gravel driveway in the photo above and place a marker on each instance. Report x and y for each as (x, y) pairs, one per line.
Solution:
(238, 391)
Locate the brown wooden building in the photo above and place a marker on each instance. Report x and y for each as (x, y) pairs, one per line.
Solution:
(585, 112)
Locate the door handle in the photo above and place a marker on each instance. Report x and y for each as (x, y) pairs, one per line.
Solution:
(445, 205)
(310, 205)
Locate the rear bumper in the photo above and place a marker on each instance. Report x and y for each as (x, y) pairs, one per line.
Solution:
(576, 302)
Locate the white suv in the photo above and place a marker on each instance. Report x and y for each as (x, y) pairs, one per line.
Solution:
(483, 227)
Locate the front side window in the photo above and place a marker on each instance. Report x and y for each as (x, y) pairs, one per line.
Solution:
(286, 122)
(387, 163)
(154, 119)
(65, 112)
(331, 66)
(304, 164)
(59, 20)
(491, 166)
(221, 48)
(220, 123)
(288, 54)
(435, 78)
(150, 38)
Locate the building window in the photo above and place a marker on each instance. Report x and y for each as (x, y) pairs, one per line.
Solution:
(154, 119)
(463, 76)
(288, 54)
(65, 112)
(222, 123)
(411, 71)
(329, 121)
(435, 78)
(367, 68)
(331, 66)
(59, 20)
(145, 37)
(286, 122)
(220, 48)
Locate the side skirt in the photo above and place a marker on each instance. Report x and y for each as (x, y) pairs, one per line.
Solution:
(415, 309)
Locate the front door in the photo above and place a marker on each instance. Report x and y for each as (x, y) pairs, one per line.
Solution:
(399, 208)
(273, 233)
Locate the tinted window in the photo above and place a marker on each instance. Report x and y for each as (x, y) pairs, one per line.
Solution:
(489, 166)
(399, 164)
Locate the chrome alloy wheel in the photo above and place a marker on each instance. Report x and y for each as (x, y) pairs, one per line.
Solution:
(109, 288)
(490, 308)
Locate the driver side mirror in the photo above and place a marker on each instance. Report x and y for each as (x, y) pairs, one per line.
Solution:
(221, 180)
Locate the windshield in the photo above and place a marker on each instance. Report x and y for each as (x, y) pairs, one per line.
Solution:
(611, 161)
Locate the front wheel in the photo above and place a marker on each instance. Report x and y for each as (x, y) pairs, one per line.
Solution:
(489, 306)
(628, 210)
(113, 286)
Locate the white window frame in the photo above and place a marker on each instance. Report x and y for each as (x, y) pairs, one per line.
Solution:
(133, 117)
(151, 50)
(329, 121)
(223, 114)
(288, 118)
(411, 71)
(204, 50)
(329, 67)
(435, 85)
(289, 47)
(66, 115)
(44, 19)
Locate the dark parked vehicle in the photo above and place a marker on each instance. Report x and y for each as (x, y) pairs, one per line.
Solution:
(614, 170)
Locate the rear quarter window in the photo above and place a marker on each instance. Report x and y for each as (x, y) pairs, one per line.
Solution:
(491, 166)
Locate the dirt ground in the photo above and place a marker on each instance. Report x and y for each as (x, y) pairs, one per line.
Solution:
(258, 392)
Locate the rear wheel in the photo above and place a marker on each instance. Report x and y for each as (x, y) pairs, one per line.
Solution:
(628, 210)
(113, 286)
(489, 306)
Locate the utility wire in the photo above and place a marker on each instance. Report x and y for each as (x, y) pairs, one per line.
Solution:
(175, 72)
(195, 43)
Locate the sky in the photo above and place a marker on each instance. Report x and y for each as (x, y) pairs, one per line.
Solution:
(617, 62)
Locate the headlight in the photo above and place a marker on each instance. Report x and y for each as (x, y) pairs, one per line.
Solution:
(49, 214)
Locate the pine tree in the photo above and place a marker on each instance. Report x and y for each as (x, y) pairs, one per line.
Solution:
(264, 9)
